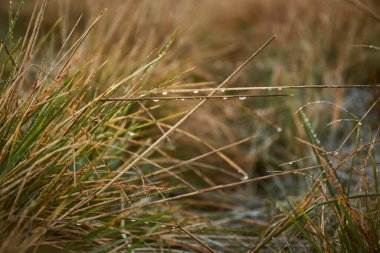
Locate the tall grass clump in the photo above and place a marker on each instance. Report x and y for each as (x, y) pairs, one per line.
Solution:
(65, 150)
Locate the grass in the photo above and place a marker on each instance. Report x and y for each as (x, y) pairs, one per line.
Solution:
(111, 141)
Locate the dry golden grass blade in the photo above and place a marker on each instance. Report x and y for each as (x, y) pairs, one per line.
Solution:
(197, 239)
(357, 125)
(278, 87)
(157, 99)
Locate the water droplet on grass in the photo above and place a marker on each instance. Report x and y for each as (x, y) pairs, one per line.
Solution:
(242, 98)
(279, 88)
(223, 90)
(156, 100)
(146, 222)
(225, 98)
(182, 99)
(164, 93)
(279, 129)
(196, 91)
(244, 177)
(290, 163)
(164, 226)
(133, 220)
(359, 123)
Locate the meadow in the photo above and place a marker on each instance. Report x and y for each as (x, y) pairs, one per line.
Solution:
(189, 126)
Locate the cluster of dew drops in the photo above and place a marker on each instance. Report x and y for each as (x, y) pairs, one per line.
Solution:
(164, 93)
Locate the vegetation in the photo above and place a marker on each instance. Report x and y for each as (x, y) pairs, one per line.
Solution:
(111, 140)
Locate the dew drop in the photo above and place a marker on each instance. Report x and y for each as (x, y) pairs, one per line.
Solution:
(133, 220)
(164, 93)
(156, 100)
(146, 222)
(359, 123)
(182, 99)
(173, 227)
(225, 98)
(196, 91)
(336, 153)
(315, 135)
(270, 89)
(223, 90)
(290, 163)
(279, 88)
(131, 133)
(78, 224)
(279, 129)
(242, 98)
(164, 226)
(244, 177)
